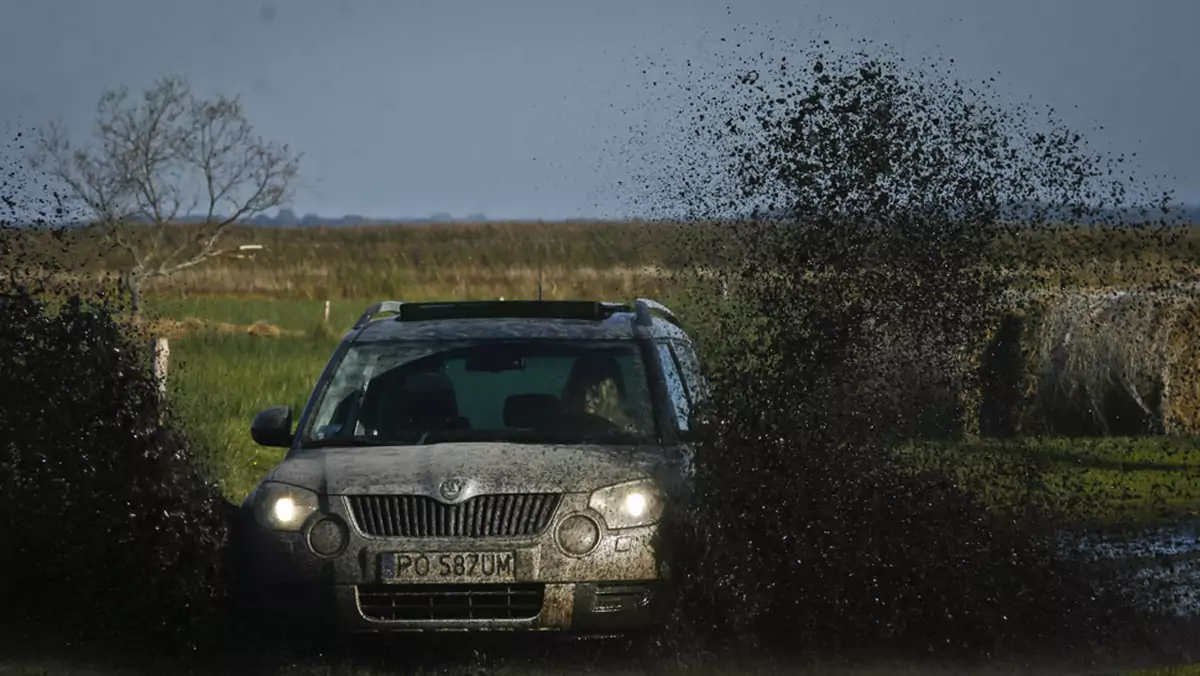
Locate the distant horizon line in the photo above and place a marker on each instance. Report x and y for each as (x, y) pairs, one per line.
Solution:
(287, 217)
(476, 217)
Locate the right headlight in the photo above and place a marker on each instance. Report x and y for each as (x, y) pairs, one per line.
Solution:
(283, 507)
(628, 505)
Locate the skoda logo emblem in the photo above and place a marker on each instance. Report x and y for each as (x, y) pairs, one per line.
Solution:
(452, 488)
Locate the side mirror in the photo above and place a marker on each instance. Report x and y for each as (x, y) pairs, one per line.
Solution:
(273, 427)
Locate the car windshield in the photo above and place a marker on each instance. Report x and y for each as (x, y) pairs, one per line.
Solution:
(530, 391)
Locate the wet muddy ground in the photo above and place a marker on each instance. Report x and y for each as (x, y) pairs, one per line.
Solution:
(372, 659)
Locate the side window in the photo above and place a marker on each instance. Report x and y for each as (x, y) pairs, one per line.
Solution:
(689, 363)
(675, 385)
(341, 400)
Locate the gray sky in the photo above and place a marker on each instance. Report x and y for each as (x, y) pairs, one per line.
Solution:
(510, 108)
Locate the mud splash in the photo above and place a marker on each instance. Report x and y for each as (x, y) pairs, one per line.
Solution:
(855, 222)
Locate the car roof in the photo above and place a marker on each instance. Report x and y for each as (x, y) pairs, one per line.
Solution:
(450, 329)
(611, 322)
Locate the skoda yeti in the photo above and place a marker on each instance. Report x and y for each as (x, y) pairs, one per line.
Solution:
(498, 465)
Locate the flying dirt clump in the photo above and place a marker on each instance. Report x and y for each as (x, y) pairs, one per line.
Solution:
(109, 533)
(851, 217)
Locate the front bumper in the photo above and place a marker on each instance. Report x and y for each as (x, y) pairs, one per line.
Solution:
(575, 607)
(610, 590)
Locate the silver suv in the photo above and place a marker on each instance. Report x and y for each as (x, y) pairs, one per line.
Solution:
(491, 465)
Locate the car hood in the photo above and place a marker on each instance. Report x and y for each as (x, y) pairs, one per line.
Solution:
(481, 467)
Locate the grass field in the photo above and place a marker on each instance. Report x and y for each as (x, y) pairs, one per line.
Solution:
(222, 376)
(1109, 481)
(579, 259)
(223, 370)
(219, 381)
(221, 373)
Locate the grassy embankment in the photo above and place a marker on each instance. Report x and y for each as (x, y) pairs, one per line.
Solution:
(222, 373)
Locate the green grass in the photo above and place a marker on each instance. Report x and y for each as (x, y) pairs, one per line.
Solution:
(219, 381)
(292, 314)
(1185, 670)
(1103, 480)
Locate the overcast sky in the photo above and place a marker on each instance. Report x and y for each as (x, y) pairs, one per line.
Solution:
(511, 108)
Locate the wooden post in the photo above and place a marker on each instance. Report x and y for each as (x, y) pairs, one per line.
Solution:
(326, 312)
(162, 353)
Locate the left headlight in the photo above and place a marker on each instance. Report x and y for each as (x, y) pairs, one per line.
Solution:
(283, 507)
(628, 505)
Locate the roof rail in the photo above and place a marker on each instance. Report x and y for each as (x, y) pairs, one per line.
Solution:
(647, 309)
(508, 309)
(389, 306)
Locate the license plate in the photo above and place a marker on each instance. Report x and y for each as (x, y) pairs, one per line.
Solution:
(447, 566)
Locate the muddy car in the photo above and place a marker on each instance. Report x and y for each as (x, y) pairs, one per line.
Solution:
(477, 466)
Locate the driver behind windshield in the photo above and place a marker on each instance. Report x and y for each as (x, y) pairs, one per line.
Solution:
(595, 386)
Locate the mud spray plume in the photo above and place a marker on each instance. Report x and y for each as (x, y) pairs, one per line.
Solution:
(848, 227)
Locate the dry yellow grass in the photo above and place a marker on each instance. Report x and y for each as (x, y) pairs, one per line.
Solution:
(462, 282)
(179, 328)
(1102, 360)
(1182, 376)
(599, 259)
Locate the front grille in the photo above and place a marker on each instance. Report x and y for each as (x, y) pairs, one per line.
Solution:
(394, 603)
(416, 516)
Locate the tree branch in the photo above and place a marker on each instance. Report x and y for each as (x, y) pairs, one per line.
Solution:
(161, 156)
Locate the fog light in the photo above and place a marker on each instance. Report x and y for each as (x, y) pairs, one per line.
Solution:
(578, 535)
(327, 537)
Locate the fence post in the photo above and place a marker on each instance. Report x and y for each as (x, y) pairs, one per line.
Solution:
(162, 353)
(326, 312)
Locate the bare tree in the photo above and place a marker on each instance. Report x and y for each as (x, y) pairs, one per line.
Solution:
(163, 156)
